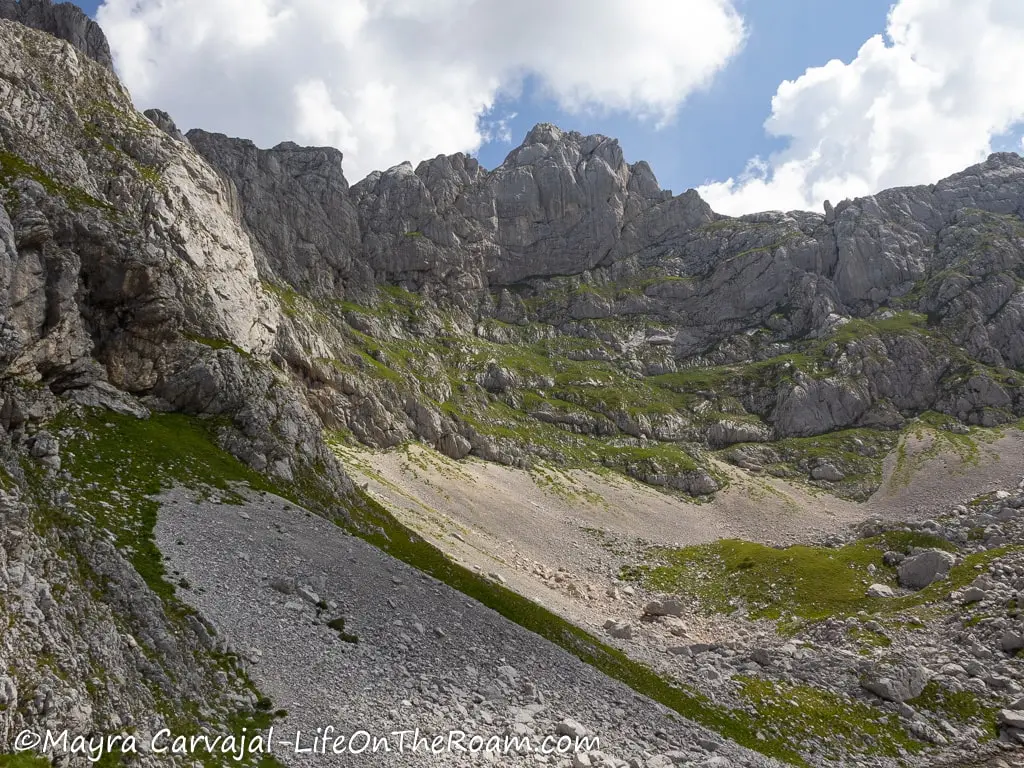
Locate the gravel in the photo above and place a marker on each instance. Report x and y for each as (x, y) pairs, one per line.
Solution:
(427, 656)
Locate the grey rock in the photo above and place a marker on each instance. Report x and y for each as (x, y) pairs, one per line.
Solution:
(895, 681)
(284, 584)
(64, 20)
(294, 203)
(724, 433)
(1011, 718)
(621, 630)
(881, 590)
(164, 122)
(920, 570)
(973, 595)
(828, 472)
(454, 446)
(667, 607)
(1012, 641)
(891, 558)
(101, 394)
(571, 728)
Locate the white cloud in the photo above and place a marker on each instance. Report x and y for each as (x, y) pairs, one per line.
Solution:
(393, 80)
(497, 129)
(919, 104)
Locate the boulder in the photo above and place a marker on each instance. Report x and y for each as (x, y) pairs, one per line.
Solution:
(454, 446)
(669, 607)
(620, 630)
(827, 472)
(895, 681)
(881, 590)
(973, 595)
(920, 570)
(1013, 641)
(1012, 718)
(571, 728)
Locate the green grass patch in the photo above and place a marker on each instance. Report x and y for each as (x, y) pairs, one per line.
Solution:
(962, 707)
(24, 760)
(217, 344)
(13, 167)
(286, 296)
(869, 639)
(800, 713)
(899, 323)
(119, 463)
(807, 582)
(800, 582)
(338, 625)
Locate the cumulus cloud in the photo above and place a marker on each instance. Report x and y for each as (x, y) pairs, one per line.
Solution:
(919, 103)
(393, 80)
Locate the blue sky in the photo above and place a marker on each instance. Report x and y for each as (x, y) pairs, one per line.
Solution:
(717, 139)
(717, 130)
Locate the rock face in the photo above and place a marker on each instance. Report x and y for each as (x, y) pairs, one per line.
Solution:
(164, 122)
(121, 262)
(558, 205)
(814, 324)
(64, 20)
(485, 312)
(295, 203)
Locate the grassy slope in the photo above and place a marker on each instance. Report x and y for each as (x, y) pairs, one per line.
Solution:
(572, 378)
(801, 585)
(804, 582)
(116, 464)
(120, 461)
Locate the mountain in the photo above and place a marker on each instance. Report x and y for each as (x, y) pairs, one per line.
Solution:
(191, 324)
(565, 268)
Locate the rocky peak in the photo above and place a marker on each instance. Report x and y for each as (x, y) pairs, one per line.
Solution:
(543, 133)
(163, 121)
(295, 203)
(557, 205)
(66, 21)
(547, 141)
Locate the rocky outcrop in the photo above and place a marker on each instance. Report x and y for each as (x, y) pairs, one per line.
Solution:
(295, 204)
(164, 122)
(88, 647)
(724, 433)
(560, 204)
(64, 20)
(190, 268)
(566, 236)
(122, 265)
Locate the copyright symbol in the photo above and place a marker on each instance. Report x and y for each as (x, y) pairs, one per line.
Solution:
(26, 740)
